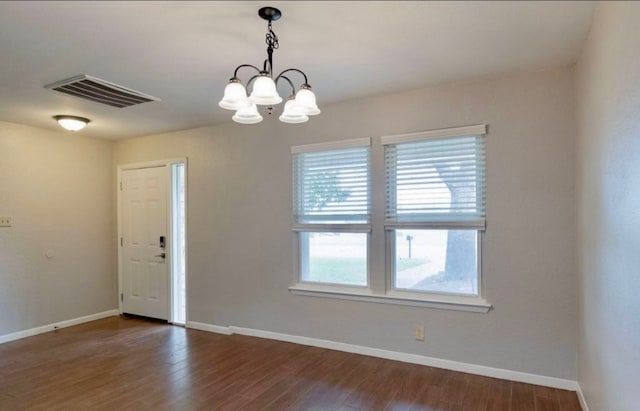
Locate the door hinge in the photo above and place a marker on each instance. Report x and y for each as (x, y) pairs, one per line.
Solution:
(121, 297)
(121, 186)
(121, 242)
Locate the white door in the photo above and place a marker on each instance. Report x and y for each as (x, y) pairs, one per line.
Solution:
(145, 269)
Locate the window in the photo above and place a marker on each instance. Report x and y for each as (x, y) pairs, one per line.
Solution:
(331, 207)
(435, 210)
(428, 219)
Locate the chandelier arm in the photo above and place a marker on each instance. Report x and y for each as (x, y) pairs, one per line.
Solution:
(251, 80)
(235, 73)
(293, 88)
(306, 82)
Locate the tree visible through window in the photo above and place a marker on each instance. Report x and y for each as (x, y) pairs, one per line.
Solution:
(435, 206)
(461, 261)
(324, 187)
(331, 207)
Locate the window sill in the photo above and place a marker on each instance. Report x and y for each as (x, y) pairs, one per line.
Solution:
(476, 305)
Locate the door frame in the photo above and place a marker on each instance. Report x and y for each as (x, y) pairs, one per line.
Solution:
(120, 168)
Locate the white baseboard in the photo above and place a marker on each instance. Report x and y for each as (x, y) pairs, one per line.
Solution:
(209, 327)
(397, 356)
(51, 327)
(583, 401)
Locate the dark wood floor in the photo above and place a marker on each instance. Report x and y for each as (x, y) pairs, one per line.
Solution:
(121, 363)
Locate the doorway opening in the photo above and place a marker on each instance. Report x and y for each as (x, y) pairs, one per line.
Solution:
(178, 246)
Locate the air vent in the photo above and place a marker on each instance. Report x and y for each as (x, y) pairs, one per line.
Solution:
(101, 91)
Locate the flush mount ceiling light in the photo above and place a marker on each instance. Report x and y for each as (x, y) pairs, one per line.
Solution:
(264, 91)
(72, 123)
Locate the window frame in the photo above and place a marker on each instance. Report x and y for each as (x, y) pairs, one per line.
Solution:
(301, 247)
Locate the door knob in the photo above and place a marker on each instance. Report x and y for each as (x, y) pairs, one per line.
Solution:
(162, 255)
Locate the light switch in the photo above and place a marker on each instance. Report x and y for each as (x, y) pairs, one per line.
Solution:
(5, 221)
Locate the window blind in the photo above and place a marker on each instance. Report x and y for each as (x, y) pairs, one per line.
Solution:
(437, 181)
(332, 186)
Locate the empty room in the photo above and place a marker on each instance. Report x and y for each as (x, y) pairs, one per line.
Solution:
(319, 205)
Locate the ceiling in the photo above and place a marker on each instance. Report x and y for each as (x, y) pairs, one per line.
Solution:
(185, 52)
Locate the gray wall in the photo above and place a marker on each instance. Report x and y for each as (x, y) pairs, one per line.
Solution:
(240, 241)
(58, 188)
(608, 203)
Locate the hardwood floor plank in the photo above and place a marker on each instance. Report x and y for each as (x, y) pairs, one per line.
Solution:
(545, 392)
(500, 390)
(522, 397)
(476, 396)
(494, 404)
(321, 385)
(376, 387)
(547, 404)
(412, 385)
(123, 363)
(568, 401)
(455, 388)
(430, 398)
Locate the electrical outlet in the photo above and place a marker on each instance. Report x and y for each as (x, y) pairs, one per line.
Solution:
(418, 332)
(5, 221)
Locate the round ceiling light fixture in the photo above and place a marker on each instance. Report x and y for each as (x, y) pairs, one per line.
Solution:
(72, 123)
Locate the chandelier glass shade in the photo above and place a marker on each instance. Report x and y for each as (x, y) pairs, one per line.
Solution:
(247, 114)
(264, 87)
(292, 113)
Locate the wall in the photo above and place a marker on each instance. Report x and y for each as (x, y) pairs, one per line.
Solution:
(240, 241)
(608, 193)
(58, 188)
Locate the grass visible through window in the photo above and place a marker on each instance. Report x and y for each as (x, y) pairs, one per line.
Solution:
(345, 270)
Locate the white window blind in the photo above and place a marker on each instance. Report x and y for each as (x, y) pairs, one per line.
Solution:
(331, 186)
(436, 181)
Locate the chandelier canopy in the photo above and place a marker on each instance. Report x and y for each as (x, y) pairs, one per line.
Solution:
(299, 106)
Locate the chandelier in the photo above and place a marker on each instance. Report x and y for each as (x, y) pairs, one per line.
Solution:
(299, 106)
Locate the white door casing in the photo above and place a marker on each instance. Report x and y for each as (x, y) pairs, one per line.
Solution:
(143, 220)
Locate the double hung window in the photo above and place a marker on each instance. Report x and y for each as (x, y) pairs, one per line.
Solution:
(435, 210)
(332, 212)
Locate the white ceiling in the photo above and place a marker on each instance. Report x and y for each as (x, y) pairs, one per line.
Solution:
(184, 52)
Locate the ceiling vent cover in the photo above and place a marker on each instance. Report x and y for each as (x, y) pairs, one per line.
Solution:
(101, 91)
